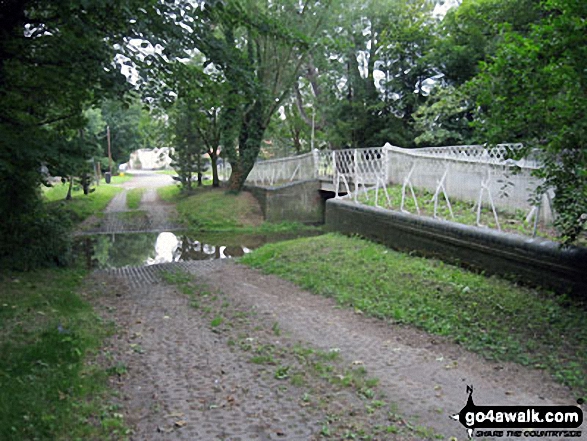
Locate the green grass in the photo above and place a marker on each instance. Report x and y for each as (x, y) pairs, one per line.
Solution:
(48, 389)
(170, 193)
(487, 315)
(133, 198)
(81, 206)
(513, 221)
(215, 210)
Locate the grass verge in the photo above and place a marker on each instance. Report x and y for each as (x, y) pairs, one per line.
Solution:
(133, 198)
(48, 389)
(81, 206)
(487, 315)
(216, 210)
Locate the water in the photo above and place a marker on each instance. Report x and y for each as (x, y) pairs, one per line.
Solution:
(120, 250)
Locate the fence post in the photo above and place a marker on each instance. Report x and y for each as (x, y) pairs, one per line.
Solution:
(386, 164)
(356, 172)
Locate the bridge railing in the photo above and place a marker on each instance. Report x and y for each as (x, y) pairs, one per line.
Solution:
(276, 171)
(484, 176)
(479, 174)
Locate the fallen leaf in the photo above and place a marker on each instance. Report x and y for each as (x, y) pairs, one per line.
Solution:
(175, 415)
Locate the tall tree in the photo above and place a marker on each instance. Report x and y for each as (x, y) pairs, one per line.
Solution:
(188, 146)
(465, 38)
(534, 91)
(259, 47)
(205, 92)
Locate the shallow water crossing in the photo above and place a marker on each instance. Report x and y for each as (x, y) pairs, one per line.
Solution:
(142, 249)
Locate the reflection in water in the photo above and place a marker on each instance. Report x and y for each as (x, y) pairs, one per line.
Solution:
(170, 248)
(119, 250)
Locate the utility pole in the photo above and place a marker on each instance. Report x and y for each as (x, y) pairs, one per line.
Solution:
(108, 175)
(109, 150)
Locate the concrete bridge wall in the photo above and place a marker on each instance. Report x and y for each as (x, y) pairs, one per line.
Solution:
(293, 202)
(534, 261)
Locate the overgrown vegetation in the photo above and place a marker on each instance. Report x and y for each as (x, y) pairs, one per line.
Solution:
(49, 389)
(487, 315)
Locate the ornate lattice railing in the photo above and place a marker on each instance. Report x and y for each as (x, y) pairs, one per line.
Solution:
(275, 171)
(482, 175)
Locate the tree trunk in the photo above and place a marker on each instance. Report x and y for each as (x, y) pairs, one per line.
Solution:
(214, 165)
(199, 166)
(68, 197)
(249, 146)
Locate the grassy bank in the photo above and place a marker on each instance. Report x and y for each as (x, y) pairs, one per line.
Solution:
(216, 210)
(81, 206)
(487, 315)
(48, 388)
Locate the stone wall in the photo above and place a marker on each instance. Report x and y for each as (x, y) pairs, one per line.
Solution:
(534, 261)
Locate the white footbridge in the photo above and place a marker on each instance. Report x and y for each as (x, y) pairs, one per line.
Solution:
(483, 175)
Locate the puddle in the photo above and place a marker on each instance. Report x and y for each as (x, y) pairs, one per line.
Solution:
(139, 249)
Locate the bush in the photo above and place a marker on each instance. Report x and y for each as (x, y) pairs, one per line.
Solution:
(36, 238)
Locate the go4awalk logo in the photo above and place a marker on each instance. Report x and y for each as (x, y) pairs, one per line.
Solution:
(520, 421)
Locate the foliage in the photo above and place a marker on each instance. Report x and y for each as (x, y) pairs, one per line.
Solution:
(48, 389)
(188, 147)
(471, 33)
(533, 91)
(200, 98)
(445, 119)
(259, 48)
(488, 315)
(56, 58)
(35, 238)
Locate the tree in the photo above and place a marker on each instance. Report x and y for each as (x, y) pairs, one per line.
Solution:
(445, 119)
(188, 147)
(204, 94)
(534, 91)
(466, 37)
(56, 58)
(259, 48)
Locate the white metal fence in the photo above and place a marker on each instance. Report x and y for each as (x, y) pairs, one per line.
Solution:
(476, 174)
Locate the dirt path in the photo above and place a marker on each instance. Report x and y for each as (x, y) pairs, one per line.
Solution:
(153, 214)
(191, 379)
